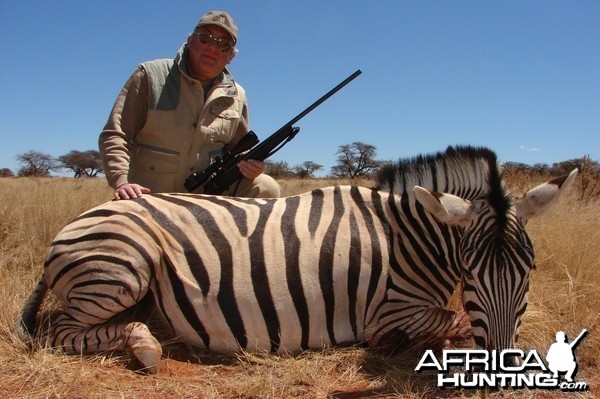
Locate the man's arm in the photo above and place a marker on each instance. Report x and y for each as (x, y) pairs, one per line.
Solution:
(126, 118)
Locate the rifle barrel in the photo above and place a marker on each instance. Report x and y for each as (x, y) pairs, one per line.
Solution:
(226, 175)
(575, 342)
(325, 97)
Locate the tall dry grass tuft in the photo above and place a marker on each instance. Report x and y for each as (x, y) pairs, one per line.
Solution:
(565, 291)
(564, 295)
(32, 211)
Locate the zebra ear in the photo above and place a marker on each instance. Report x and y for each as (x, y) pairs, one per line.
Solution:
(447, 208)
(538, 200)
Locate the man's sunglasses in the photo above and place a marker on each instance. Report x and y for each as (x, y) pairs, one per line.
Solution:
(222, 44)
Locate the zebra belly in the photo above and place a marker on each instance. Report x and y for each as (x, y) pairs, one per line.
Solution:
(262, 317)
(275, 275)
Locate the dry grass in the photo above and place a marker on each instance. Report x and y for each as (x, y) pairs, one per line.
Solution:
(564, 295)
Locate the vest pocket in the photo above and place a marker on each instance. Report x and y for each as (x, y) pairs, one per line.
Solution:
(222, 128)
(155, 168)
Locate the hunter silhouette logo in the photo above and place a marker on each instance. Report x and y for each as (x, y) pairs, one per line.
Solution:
(560, 356)
(508, 368)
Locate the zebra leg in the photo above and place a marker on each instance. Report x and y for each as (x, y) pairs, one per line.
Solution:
(416, 328)
(93, 299)
(460, 328)
(73, 336)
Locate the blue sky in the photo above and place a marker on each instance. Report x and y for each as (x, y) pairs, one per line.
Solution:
(521, 77)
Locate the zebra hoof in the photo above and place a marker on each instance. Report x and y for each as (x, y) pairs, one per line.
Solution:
(143, 348)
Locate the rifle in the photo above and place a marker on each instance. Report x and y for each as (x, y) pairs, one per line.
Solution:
(223, 172)
(576, 341)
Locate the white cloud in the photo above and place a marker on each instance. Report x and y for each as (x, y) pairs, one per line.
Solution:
(529, 149)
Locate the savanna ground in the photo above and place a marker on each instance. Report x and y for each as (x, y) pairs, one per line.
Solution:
(565, 295)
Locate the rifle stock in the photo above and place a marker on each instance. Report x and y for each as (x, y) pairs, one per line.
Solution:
(227, 176)
(220, 175)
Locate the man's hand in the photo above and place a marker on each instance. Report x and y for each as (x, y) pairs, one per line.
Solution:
(130, 191)
(251, 168)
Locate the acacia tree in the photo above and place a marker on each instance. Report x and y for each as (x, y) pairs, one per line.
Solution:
(355, 160)
(306, 169)
(38, 164)
(87, 163)
(6, 172)
(277, 169)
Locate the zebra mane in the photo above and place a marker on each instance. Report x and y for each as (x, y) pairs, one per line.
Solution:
(469, 172)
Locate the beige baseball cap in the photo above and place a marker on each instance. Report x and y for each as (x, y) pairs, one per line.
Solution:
(222, 19)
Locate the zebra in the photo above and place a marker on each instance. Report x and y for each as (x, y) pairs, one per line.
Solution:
(333, 266)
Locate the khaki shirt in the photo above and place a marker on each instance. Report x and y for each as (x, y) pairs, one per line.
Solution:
(163, 126)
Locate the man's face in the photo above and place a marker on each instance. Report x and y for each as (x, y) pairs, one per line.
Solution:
(211, 48)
